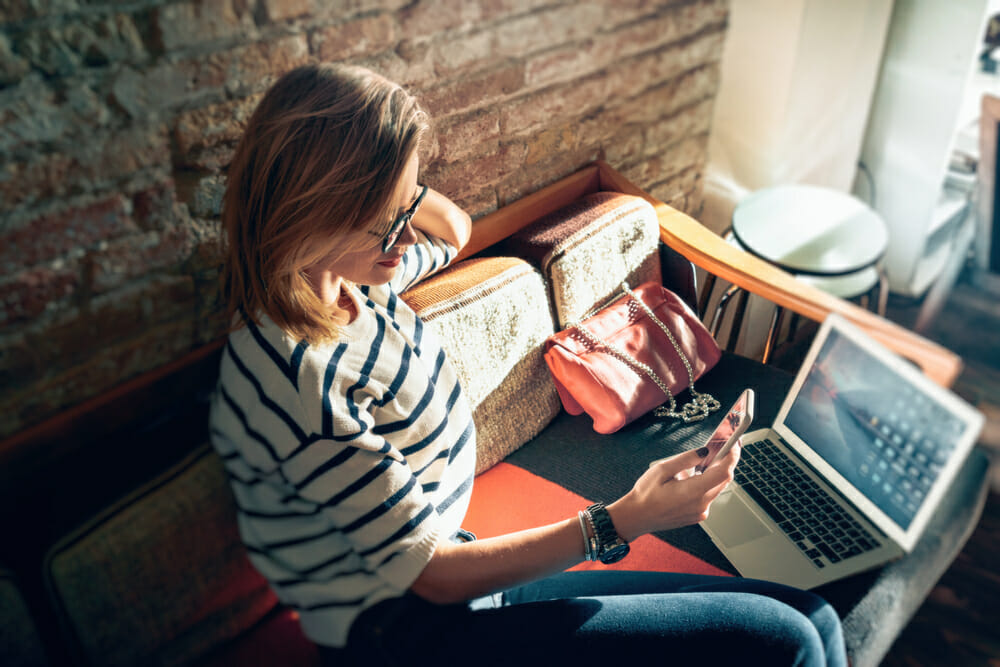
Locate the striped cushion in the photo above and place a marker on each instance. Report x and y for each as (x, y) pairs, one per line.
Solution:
(20, 643)
(586, 249)
(162, 576)
(492, 316)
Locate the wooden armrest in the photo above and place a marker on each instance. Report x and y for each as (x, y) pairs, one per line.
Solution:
(707, 250)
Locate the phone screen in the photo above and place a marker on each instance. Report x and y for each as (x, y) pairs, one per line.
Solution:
(729, 430)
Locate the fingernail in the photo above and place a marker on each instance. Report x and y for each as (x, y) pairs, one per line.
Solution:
(702, 452)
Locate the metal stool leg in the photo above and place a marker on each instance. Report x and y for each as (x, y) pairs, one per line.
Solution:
(772, 334)
(883, 291)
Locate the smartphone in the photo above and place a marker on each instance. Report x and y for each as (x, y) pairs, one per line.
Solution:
(729, 430)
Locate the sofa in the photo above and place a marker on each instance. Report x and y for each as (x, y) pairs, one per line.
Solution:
(121, 545)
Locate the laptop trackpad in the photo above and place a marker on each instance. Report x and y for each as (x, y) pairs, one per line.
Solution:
(734, 523)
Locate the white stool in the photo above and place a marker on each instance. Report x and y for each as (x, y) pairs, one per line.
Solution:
(824, 237)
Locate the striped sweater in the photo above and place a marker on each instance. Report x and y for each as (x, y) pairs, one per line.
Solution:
(349, 461)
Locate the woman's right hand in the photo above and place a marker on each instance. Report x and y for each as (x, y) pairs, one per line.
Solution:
(666, 496)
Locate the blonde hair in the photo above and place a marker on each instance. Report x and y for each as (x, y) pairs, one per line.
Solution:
(320, 157)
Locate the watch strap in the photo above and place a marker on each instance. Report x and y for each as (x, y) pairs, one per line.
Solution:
(610, 546)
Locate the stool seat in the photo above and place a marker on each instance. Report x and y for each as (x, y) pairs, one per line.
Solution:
(846, 286)
(810, 230)
(825, 238)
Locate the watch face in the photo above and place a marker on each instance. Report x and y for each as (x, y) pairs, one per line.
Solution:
(615, 553)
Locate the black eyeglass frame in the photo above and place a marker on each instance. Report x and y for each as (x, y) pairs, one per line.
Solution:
(397, 225)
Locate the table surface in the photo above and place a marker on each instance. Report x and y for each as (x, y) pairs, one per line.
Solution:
(810, 229)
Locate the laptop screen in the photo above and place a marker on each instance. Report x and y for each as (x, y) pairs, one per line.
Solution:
(886, 437)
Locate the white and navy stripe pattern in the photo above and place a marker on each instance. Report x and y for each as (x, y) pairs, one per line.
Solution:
(349, 461)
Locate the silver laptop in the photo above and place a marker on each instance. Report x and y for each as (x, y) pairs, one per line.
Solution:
(848, 476)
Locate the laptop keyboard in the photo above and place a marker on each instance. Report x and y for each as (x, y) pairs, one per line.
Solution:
(817, 525)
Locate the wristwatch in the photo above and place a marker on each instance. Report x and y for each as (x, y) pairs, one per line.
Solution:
(611, 548)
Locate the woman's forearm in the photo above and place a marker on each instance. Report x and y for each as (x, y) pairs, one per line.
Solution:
(663, 498)
(460, 572)
(441, 217)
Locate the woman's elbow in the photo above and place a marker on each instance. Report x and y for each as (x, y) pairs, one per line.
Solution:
(462, 224)
(437, 590)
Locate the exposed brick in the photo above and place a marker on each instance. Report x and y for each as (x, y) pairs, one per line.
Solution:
(254, 68)
(670, 25)
(467, 178)
(100, 160)
(461, 136)
(152, 207)
(684, 190)
(143, 92)
(541, 30)
(203, 195)
(626, 142)
(366, 35)
(239, 72)
(428, 18)
(23, 183)
(478, 205)
(556, 104)
(283, 10)
(136, 307)
(464, 52)
(411, 65)
(30, 113)
(661, 167)
(524, 181)
(518, 37)
(654, 104)
(475, 92)
(570, 62)
(184, 24)
(693, 66)
(88, 42)
(15, 11)
(211, 127)
(57, 234)
(109, 158)
(208, 247)
(28, 293)
(12, 66)
(118, 262)
(691, 120)
(551, 141)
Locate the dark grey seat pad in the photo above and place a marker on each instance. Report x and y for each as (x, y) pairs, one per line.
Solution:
(874, 606)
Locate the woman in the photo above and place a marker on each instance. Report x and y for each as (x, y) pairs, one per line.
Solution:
(351, 448)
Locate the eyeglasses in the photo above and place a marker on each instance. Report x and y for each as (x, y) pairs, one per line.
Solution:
(399, 223)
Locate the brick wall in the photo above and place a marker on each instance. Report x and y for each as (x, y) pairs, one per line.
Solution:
(117, 121)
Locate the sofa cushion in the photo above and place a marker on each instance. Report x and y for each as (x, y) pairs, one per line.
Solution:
(20, 643)
(162, 576)
(492, 316)
(587, 248)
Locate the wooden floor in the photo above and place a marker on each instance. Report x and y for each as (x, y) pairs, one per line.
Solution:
(959, 624)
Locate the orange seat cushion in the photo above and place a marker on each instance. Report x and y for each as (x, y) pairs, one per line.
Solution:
(507, 498)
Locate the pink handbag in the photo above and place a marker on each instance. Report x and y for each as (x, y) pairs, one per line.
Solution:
(631, 357)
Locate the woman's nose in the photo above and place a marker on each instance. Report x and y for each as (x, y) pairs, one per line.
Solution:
(408, 236)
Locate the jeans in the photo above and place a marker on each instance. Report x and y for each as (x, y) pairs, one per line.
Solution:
(586, 618)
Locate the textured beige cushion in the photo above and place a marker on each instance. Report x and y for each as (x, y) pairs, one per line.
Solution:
(587, 248)
(492, 316)
(19, 641)
(161, 577)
